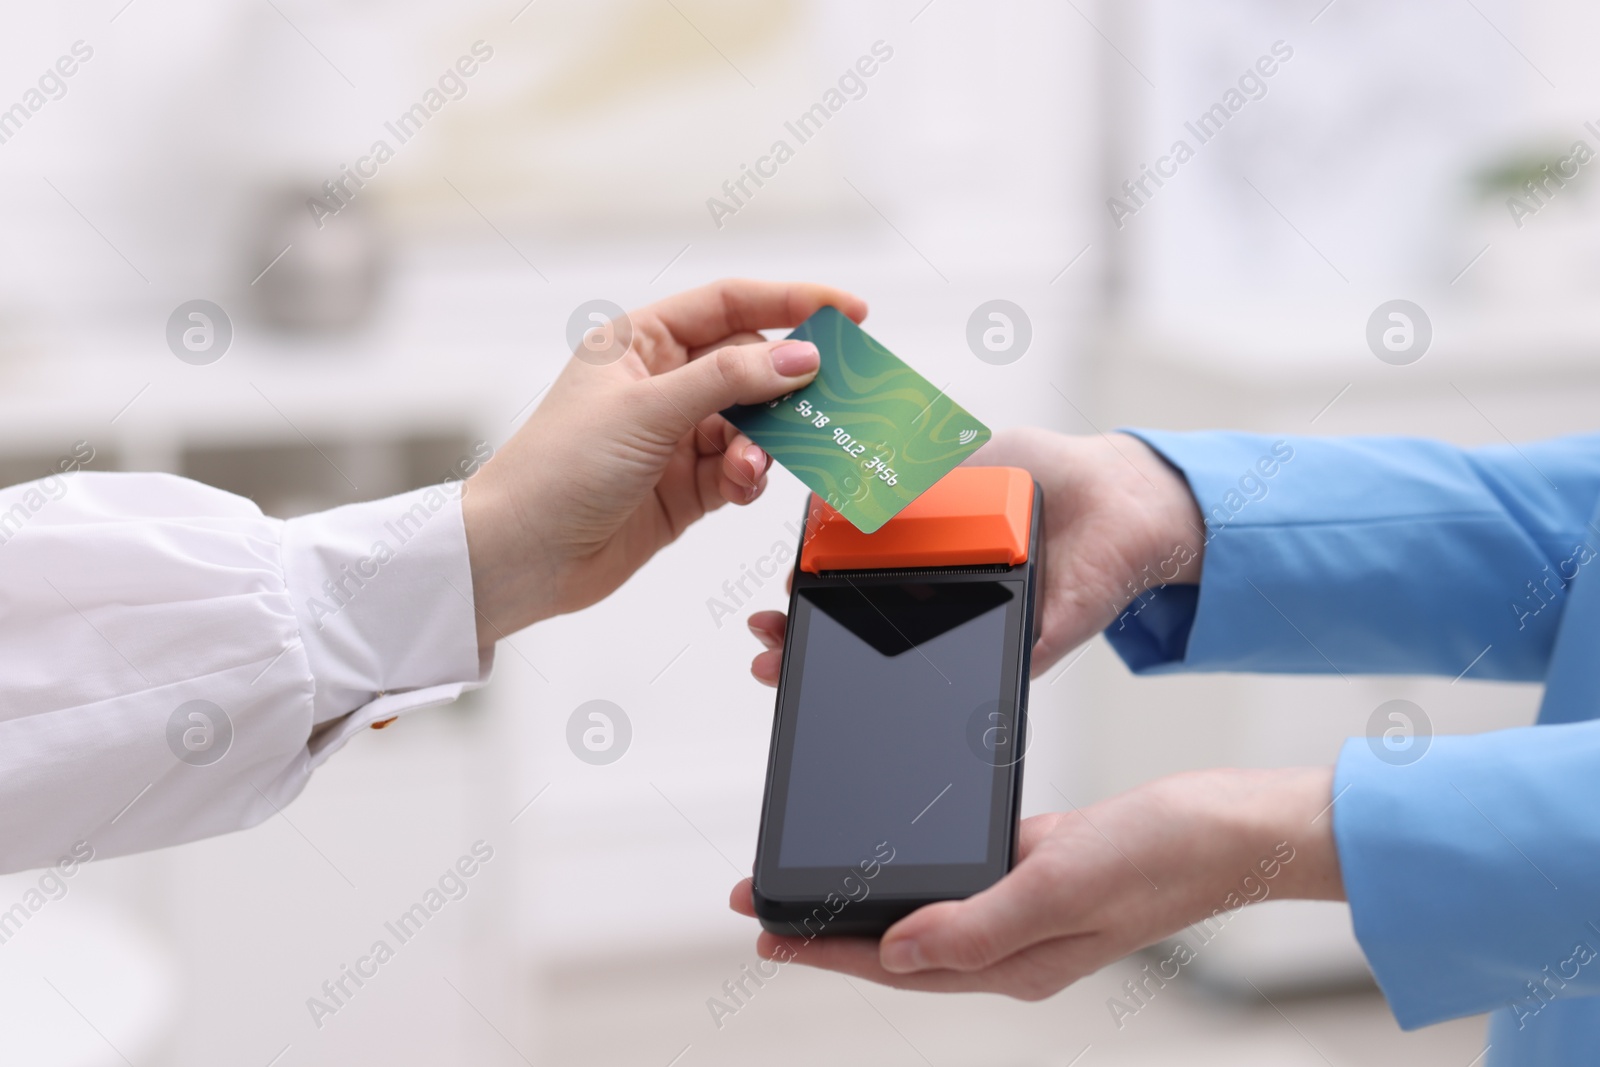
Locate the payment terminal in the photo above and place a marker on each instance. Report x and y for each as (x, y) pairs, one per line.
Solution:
(895, 770)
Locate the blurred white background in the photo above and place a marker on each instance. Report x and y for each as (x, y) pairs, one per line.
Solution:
(371, 355)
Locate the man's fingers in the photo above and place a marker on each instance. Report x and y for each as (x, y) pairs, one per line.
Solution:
(769, 627)
(1030, 905)
(1033, 830)
(849, 955)
(734, 374)
(767, 667)
(972, 934)
(712, 312)
(1033, 974)
(1044, 959)
(742, 899)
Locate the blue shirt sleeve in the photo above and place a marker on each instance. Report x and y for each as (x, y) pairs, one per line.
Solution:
(1377, 555)
(1473, 872)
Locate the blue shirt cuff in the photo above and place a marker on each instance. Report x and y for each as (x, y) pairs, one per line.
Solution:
(1473, 871)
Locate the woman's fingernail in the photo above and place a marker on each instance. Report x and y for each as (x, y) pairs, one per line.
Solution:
(795, 358)
(757, 460)
(903, 957)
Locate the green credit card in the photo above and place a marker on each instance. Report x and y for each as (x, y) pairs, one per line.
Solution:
(869, 434)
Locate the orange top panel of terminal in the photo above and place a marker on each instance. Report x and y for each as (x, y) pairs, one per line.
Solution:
(970, 516)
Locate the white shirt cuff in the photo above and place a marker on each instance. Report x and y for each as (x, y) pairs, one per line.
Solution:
(383, 594)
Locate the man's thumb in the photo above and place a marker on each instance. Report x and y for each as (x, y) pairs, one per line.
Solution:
(734, 374)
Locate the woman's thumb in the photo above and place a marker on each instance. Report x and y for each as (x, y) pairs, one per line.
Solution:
(734, 374)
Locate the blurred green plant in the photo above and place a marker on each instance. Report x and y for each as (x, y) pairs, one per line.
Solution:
(1512, 172)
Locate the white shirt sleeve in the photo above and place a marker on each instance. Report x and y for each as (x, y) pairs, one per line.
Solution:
(174, 664)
